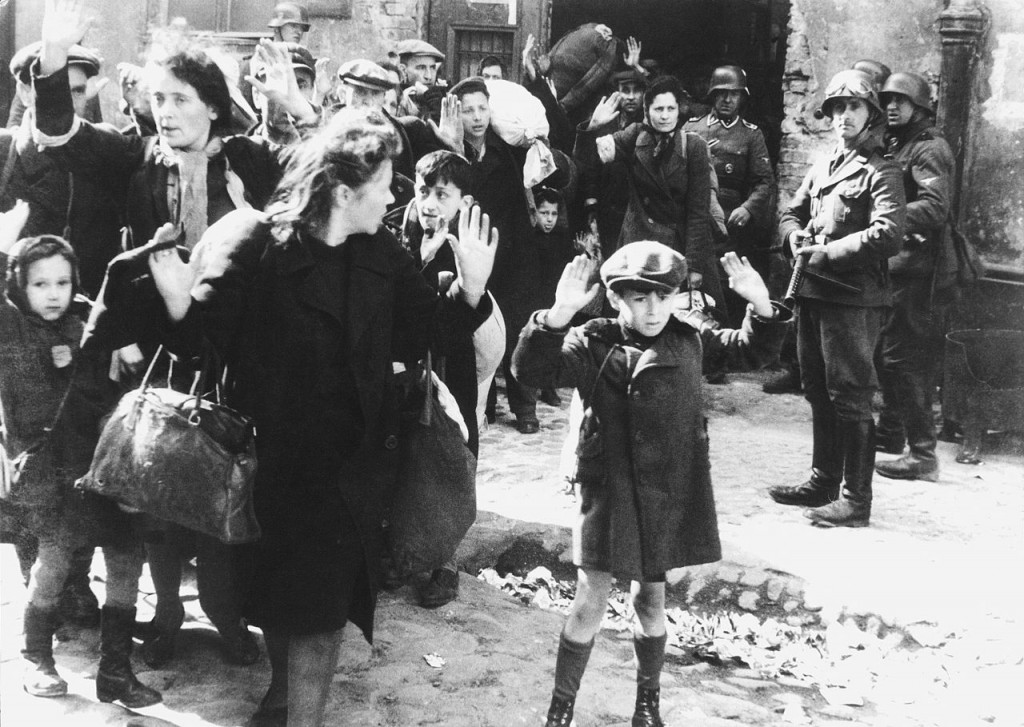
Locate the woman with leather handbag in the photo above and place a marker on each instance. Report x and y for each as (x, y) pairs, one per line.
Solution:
(52, 397)
(309, 304)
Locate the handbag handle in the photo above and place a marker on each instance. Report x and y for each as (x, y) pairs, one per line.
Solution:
(198, 383)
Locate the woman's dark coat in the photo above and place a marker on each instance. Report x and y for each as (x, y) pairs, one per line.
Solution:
(131, 168)
(265, 308)
(646, 501)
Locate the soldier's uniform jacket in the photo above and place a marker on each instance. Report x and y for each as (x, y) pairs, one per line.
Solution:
(927, 164)
(855, 203)
(740, 158)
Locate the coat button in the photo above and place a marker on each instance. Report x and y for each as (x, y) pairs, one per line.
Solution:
(391, 442)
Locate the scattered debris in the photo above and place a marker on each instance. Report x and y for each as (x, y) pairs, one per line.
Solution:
(434, 660)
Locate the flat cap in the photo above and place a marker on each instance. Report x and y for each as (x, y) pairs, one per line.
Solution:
(644, 265)
(628, 74)
(21, 63)
(473, 84)
(417, 47)
(365, 73)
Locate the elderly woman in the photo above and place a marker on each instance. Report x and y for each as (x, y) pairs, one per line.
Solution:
(192, 174)
(846, 220)
(309, 304)
(668, 175)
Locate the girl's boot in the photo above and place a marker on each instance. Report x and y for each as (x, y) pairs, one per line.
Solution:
(115, 681)
(41, 677)
(650, 657)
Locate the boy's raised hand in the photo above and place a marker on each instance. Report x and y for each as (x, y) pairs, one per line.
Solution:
(746, 283)
(574, 291)
(474, 251)
(11, 223)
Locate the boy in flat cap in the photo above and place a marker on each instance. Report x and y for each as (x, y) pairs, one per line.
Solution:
(646, 504)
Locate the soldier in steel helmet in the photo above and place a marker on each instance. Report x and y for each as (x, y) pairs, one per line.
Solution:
(290, 22)
(846, 220)
(923, 277)
(746, 183)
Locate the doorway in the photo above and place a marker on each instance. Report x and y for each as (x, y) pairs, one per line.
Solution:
(689, 38)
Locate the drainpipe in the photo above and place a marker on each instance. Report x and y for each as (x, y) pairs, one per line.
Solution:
(962, 26)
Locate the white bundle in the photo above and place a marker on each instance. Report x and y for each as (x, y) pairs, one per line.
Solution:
(518, 117)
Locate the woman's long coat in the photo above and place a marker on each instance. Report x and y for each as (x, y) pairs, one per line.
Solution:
(646, 501)
(273, 318)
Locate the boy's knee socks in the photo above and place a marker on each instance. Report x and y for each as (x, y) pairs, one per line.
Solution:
(569, 666)
(650, 657)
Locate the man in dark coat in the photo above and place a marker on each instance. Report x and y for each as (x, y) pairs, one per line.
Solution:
(923, 279)
(70, 204)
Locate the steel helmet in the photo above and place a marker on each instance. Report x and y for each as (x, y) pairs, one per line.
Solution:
(728, 78)
(915, 87)
(285, 13)
(851, 84)
(878, 71)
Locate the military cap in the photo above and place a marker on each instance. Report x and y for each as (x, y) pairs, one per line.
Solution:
(285, 13)
(628, 74)
(21, 63)
(417, 47)
(365, 73)
(644, 265)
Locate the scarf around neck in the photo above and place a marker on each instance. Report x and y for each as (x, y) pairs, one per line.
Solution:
(187, 194)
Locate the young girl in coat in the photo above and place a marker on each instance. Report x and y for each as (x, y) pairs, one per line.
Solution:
(52, 399)
(646, 504)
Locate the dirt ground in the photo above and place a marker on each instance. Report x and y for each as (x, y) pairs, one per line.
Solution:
(488, 659)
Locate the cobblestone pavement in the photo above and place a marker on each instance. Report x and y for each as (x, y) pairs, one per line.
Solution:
(925, 603)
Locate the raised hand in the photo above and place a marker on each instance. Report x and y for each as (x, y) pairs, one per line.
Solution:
(632, 54)
(324, 83)
(11, 223)
(574, 291)
(528, 49)
(747, 283)
(279, 84)
(606, 111)
(173, 277)
(64, 24)
(474, 251)
(450, 131)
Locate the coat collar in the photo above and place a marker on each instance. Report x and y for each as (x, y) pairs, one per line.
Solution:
(667, 351)
(645, 145)
(853, 163)
(367, 274)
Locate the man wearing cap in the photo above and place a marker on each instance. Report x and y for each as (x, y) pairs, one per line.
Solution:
(923, 276)
(364, 84)
(609, 183)
(746, 183)
(422, 89)
(275, 125)
(74, 206)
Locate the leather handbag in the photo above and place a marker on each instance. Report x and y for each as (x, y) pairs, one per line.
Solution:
(434, 503)
(181, 458)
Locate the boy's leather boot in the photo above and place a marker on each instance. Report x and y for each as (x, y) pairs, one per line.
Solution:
(646, 712)
(560, 712)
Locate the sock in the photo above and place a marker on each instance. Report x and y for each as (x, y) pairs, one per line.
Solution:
(569, 667)
(650, 656)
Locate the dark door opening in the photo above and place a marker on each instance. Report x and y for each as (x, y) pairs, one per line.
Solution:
(689, 38)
